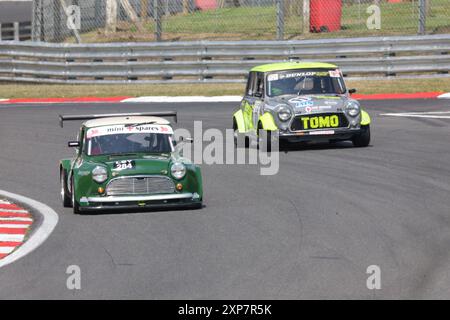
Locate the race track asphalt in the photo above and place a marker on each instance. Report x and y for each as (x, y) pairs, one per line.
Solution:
(310, 231)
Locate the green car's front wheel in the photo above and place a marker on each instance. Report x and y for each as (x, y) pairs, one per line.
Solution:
(65, 198)
(363, 138)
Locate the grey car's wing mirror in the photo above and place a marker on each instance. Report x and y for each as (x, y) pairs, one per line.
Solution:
(185, 140)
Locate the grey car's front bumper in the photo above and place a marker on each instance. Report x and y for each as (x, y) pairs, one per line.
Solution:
(338, 134)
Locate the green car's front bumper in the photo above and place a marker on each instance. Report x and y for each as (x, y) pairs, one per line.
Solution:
(140, 202)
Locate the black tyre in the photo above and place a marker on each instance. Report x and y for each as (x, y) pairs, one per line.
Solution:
(363, 138)
(75, 205)
(267, 138)
(65, 195)
(238, 134)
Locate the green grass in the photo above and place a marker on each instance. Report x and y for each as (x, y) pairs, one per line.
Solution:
(258, 23)
(14, 91)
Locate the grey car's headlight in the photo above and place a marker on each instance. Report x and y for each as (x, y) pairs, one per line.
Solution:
(284, 113)
(99, 174)
(178, 170)
(353, 108)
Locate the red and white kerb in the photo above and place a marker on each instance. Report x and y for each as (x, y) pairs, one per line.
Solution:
(15, 223)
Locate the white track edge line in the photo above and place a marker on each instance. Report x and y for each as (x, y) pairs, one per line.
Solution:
(49, 222)
(444, 96)
(187, 99)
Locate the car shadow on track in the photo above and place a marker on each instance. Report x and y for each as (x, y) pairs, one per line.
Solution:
(290, 147)
(153, 210)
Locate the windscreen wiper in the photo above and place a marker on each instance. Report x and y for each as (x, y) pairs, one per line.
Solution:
(139, 124)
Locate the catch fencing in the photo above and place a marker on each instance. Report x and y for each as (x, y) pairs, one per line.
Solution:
(96, 21)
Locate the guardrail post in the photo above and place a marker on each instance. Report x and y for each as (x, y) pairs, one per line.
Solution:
(443, 72)
(422, 16)
(16, 31)
(0, 32)
(98, 61)
(131, 78)
(280, 19)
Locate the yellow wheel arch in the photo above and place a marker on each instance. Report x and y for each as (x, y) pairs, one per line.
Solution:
(267, 122)
(238, 119)
(365, 118)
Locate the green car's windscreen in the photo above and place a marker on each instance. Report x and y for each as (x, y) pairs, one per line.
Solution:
(299, 82)
(125, 140)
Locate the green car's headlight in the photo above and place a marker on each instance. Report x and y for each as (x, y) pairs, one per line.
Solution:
(178, 170)
(284, 113)
(99, 174)
(353, 108)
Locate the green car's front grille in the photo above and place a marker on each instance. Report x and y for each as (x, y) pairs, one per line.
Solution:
(140, 185)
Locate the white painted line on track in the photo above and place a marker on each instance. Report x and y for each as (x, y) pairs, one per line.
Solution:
(187, 99)
(15, 219)
(14, 226)
(444, 96)
(10, 238)
(6, 249)
(49, 221)
(13, 211)
(430, 115)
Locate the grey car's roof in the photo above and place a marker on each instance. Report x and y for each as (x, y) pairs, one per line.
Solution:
(124, 120)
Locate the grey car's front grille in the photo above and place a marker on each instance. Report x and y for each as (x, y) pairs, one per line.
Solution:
(140, 185)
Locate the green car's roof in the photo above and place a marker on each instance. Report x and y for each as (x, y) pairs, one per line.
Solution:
(280, 66)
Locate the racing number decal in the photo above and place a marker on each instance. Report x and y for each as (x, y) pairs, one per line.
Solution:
(320, 122)
(124, 165)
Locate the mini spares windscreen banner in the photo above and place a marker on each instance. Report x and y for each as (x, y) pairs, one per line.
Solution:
(124, 129)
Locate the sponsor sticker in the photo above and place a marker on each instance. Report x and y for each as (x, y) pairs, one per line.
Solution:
(118, 129)
(321, 133)
(299, 74)
(320, 122)
(335, 73)
(310, 109)
(302, 102)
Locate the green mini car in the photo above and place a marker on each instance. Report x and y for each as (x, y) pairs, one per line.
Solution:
(300, 102)
(126, 161)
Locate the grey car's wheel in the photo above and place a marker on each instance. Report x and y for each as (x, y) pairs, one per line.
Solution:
(266, 138)
(363, 138)
(75, 205)
(65, 198)
(238, 135)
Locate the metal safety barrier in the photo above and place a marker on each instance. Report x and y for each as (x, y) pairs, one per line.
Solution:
(218, 61)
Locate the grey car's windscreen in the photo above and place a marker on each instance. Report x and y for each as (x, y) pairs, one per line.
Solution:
(305, 82)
